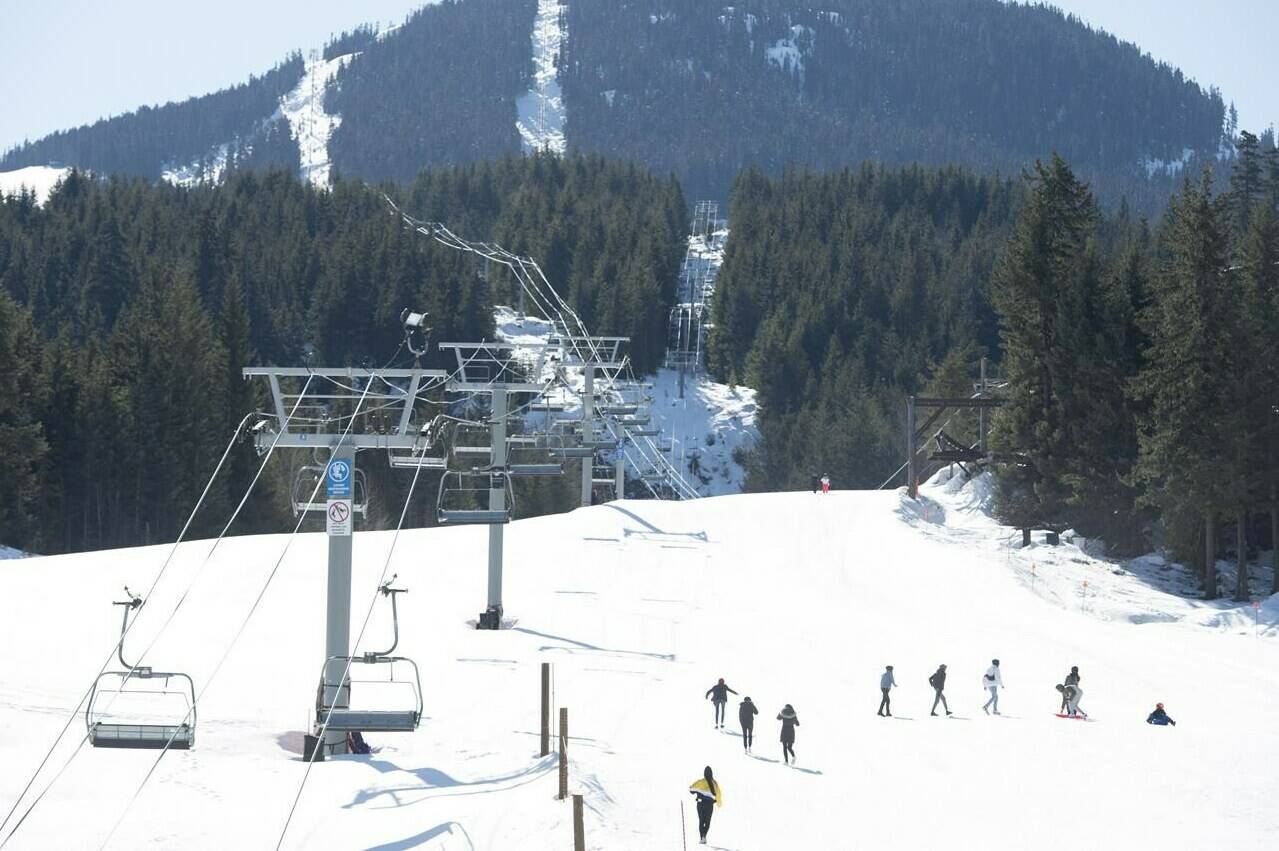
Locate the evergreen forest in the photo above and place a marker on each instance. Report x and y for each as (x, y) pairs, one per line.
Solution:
(128, 309)
(1141, 357)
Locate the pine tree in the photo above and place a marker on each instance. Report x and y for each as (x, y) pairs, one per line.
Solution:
(1186, 421)
(22, 440)
(1041, 289)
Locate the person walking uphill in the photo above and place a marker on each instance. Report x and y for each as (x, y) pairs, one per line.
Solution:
(993, 682)
(746, 713)
(789, 722)
(886, 682)
(718, 694)
(938, 682)
(709, 795)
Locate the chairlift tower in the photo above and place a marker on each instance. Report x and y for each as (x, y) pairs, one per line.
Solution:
(291, 391)
(490, 368)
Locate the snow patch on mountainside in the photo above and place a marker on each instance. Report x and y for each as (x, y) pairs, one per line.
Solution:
(208, 169)
(541, 110)
(39, 179)
(311, 125)
(9, 553)
(788, 53)
(1169, 167)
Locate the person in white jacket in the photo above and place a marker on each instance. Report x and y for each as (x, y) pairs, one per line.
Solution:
(993, 682)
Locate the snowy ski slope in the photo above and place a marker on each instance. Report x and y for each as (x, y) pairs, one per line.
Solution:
(793, 598)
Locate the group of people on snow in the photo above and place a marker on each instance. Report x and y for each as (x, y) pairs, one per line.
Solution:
(746, 712)
(709, 794)
(822, 481)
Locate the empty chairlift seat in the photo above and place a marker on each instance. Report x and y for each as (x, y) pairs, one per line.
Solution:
(389, 688)
(462, 493)
(137, 707)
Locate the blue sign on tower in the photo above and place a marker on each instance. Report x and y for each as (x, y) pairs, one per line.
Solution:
(338, 480)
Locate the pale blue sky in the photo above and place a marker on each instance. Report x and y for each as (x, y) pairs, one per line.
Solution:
(69, 62)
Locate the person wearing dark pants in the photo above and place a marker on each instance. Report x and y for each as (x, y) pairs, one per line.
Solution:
(746, 713)
(886, 682)
(1072, 679)
(709, 795)
(718, 694)
(938, 682)
(789, 722)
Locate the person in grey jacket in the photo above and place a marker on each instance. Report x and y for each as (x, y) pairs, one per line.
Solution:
(886, 682)
(1072, 694)
(938, 682)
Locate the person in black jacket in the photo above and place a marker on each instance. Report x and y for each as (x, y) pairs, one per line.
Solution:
(938, 682)
(1159, 717)
(746, 713)
(816, 481)
(718, 694)
(1072, 679)
(789, 722)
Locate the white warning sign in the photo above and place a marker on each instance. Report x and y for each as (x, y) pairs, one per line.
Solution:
(338, 517)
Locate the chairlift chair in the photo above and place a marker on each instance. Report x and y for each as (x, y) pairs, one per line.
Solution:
(458, 487)
(153, 727)
(333, 712)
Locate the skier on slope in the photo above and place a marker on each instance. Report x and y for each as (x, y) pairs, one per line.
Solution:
(789, 722)
(886, 682)
(1160, 718)
(709, 795)
(825, 484)
(746, 713)
(1071, 694)
(938, 682)
(718, 694)
(1072, 679)
(992, 681)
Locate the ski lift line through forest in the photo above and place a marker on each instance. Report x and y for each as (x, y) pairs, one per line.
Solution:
(346, 672)
(521, 266)
(115, 649)
(288, 544)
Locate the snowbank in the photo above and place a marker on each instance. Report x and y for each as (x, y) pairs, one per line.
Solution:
(1077, 575)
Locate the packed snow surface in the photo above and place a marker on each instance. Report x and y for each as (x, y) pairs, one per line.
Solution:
(541, 109)
(39, 179)
(640, 606)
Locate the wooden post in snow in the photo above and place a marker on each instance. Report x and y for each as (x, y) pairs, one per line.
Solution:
(563, 752)
(579, 830)
(545, 747)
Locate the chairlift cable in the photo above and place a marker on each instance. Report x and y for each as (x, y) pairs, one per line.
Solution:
(163, 567)
(226, 653)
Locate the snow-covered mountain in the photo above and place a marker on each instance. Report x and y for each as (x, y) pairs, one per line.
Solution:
(699, 89)
(640, 606)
